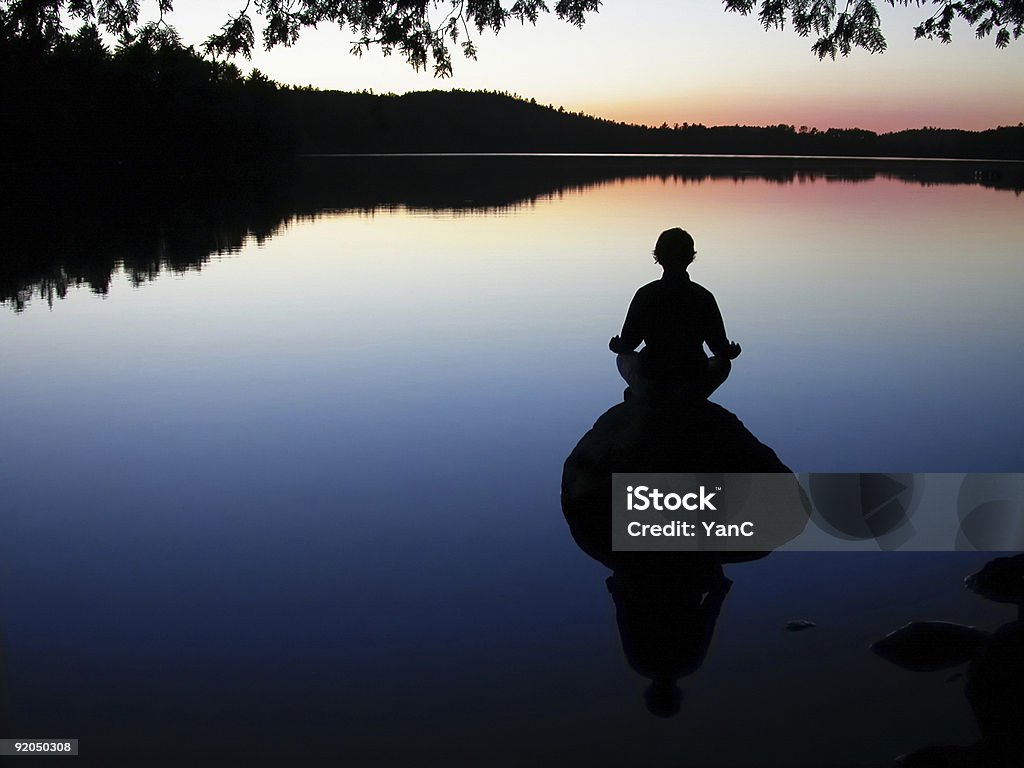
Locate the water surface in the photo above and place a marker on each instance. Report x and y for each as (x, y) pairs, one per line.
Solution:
(297, 494)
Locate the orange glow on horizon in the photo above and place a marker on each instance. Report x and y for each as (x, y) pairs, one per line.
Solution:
(716, 110)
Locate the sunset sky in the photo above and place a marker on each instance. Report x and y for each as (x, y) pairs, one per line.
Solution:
(654, 61)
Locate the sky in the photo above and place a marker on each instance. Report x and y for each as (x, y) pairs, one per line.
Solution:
(655, 61)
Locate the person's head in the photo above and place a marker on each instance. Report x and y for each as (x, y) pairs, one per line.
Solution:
(674, 249)
(663, 697)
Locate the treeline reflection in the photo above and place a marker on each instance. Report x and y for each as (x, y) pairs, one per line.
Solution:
(80, 233)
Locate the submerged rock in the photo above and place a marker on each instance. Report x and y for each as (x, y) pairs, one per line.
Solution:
(928, 646)
(798, 625)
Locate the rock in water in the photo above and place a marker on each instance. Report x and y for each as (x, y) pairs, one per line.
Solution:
(674, 437)
(927, 646)
(1001, 580)
(635, 436)
(798, 625)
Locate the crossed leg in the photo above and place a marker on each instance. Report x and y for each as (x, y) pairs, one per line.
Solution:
(698, 386)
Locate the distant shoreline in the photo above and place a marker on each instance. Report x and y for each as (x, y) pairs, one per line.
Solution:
(669, 155)
(484, 123)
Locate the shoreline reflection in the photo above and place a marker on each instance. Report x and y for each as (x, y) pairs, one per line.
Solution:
(146, 226)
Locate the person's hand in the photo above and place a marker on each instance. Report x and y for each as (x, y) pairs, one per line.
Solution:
(734, 350)
(614, 344)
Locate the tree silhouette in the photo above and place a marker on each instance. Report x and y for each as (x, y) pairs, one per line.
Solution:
(425, 32)
(841, 28)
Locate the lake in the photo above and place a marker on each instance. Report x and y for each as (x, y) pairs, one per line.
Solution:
(280, 474)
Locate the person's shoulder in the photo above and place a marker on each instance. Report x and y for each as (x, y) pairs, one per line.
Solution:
(701, 291)
(649, 289)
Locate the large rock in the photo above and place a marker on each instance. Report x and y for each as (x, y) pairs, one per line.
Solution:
(635, 436)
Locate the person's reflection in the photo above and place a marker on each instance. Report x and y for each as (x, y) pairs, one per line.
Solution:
(666, 621)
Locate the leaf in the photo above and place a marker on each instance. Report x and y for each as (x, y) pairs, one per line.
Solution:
(235, 37)
(282, 28)
(574, 11)
(118, 17)
(157, 36)
(81, 9)
(772, 13)
(743, 7)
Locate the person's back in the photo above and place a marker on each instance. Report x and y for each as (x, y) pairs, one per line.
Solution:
(674, 317)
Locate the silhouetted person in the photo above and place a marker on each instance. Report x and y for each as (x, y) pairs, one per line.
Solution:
(674, 318)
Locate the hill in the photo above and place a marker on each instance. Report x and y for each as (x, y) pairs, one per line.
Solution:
(482, 121)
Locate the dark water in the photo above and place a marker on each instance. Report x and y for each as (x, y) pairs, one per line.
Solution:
(280, 482)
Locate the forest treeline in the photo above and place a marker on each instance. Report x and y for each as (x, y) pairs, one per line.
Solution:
(76, 102)
(164, 108)
(477, 121)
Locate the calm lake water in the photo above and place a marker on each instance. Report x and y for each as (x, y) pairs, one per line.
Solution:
(299, 499)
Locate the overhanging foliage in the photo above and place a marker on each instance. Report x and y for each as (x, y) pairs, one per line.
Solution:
(426, 32)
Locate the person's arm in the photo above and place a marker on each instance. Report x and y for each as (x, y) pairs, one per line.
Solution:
(716, 339)
(632, 329)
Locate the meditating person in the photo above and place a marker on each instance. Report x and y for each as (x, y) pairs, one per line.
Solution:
(674, 318)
